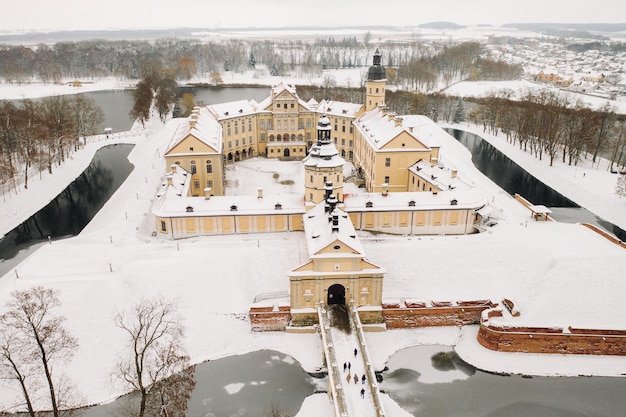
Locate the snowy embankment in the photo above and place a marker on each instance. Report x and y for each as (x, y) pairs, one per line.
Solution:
(590, 185)
(559, 274)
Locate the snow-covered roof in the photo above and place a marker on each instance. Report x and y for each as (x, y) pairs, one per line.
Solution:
(415, 201)
(232, 109)
(321, 232)
(379, 127)
(443, 177)
(323, 155)
(201, 125)
(239, 205)
(425, 129)
(276, 90)
(338, 108)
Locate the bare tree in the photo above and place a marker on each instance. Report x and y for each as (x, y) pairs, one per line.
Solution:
(13, 365)
(39, 335)
(154, 332)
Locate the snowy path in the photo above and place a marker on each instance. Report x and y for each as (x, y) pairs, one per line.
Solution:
(353, 376)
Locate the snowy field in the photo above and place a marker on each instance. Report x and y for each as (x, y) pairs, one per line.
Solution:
(558, 274)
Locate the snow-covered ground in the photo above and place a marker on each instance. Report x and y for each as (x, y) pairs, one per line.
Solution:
(558, 274)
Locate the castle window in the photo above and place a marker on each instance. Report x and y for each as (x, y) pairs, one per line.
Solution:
(262, 124)
(163, 226)
(387, 180)
(196, 184)
(209, 183)
(262, 137)
(209, 167)
(193, 167)
(285, 106)
(387, 162)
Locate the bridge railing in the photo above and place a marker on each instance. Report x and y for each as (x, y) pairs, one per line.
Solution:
(371, 375)
(334, 382)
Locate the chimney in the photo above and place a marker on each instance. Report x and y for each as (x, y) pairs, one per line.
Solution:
(170, 181)
(410, 129)
(335, 227)
(453, 173)
(259, 192)
(385, 188)
(207, 193)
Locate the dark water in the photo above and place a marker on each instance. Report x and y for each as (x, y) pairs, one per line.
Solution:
(514, 179)
(244, 386)
(72, 209)
(116, 106)
(216, 95)
(453, 388)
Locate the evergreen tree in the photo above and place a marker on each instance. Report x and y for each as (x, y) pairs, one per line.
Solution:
(459, 113)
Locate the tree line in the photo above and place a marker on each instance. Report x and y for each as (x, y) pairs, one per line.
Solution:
(550, 125)
(43, 133)
(419, 64)
(35, 344)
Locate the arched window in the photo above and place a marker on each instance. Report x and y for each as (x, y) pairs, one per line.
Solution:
(209, 167)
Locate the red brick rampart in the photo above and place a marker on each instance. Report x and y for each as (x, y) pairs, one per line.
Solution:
(550, 339)
(421, 314)
(269, 318)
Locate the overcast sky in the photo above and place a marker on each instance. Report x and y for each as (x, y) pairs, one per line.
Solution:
(103, 14)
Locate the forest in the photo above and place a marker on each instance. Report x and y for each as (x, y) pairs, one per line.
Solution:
(36, 135)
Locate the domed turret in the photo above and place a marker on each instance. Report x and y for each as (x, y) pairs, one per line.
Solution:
(375, 85)
(376, 72)
(323, 164)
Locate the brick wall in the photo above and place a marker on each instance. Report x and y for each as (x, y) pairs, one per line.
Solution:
(269, 321)
(552, 340)
(414, 314)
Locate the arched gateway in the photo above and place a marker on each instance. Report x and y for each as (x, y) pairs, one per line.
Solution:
(336, 294)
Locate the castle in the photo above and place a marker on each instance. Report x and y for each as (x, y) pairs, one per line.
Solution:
(404, 187)
(395, 160)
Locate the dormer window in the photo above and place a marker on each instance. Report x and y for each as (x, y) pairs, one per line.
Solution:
(278, 206)
(412, 203)
(233, 208)
(189, 209)
(369, 204)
